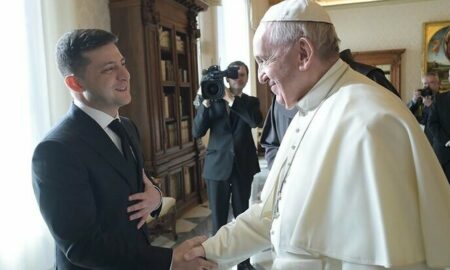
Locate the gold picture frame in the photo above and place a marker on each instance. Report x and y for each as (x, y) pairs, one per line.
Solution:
(434, 46)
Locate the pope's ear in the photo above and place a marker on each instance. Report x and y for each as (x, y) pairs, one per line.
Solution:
(73, 83)
(305, 53)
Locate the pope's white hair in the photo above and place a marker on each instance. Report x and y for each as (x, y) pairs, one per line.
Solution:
(284, 34)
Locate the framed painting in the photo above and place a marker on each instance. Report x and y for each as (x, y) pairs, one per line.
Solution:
(436, 50)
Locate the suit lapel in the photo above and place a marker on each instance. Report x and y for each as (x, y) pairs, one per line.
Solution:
(90, 132)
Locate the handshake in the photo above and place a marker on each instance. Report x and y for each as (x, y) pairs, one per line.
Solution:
(191, 255)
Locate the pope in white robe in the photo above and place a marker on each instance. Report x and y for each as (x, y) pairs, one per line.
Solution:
(355, 183)
(363, 187)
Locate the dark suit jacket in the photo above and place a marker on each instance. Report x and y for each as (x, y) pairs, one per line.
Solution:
(371, 72)
(82, 186)
(277, 122)
(230, 138)
(439, 125)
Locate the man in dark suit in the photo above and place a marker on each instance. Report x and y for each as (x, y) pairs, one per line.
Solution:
(278, 117)
(422, 99)
(88, 172)
(439, 125)
(231, 159)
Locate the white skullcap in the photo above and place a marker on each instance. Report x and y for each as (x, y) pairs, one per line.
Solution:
(296, 10)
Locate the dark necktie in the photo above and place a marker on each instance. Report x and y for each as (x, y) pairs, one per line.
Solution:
(118, 128)
(232, 118)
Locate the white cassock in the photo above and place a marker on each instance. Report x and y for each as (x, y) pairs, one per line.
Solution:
(355, 185)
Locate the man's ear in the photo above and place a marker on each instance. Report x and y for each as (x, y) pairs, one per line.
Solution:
(74, 83)
(305, 53)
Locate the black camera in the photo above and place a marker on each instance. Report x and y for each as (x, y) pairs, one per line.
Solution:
(425, 92)
(212, 81)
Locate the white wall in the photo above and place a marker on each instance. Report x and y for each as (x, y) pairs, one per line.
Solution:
(392, 24)
(207, 44)
(60, 16)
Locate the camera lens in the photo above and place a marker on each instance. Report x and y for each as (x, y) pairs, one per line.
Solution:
(213, 89)
(212, 83)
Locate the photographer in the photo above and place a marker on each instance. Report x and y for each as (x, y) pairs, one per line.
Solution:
(231, 159)
(420, 104)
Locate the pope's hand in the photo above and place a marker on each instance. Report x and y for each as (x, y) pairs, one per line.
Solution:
(195, 252)
(179, 255)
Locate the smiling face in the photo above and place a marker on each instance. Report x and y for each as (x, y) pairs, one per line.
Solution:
(105, 81)
(279, 68)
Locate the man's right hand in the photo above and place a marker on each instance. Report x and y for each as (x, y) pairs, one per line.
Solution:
(198, 263)
(206, 103)
(416, 95)
(427, 101)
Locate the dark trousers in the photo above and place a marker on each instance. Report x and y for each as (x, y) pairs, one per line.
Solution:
(219, 194)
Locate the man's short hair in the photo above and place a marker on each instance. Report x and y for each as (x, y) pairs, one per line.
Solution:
(431, 74)
(283, 34)
(72, 45)
(240, 64)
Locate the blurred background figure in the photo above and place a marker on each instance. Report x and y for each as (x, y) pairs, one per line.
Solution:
(420, 104)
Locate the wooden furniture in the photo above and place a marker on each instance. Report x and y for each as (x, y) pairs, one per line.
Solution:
(166, 221)
(158, 39)
(388, 60)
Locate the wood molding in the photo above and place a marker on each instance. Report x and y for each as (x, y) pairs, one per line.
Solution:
(384, 57)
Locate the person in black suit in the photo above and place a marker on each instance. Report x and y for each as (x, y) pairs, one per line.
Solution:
(278, 117)
(439, 125)
(422, 99)
(231, 159)
(88, 171)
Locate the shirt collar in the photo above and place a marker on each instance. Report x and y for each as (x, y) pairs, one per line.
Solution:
(103, 119)
(322, 88)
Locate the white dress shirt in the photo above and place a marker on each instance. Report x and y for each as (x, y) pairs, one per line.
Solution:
(103, 120)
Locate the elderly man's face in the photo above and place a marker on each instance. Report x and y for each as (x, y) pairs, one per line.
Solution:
(278, 68)
(432, 82)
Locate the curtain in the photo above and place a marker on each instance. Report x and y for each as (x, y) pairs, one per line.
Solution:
(233, 36)
(34, 99)
(25, 241)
